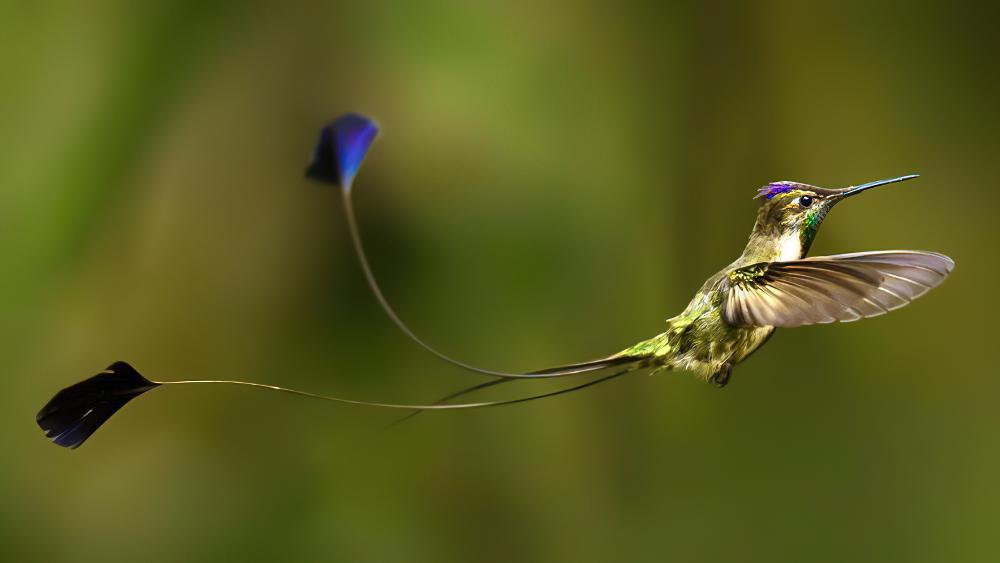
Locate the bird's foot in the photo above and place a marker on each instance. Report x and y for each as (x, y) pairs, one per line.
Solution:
(721, 377)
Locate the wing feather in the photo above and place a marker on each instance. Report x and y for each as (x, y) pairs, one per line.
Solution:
(824, 289)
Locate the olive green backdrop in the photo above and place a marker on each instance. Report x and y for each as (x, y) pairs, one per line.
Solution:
(553, 180)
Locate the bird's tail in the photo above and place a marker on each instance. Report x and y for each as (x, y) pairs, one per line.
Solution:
(593, 365)
(76, 412)
(624, 362)
(79, 410)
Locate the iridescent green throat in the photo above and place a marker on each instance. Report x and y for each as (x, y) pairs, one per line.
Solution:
(809, 228)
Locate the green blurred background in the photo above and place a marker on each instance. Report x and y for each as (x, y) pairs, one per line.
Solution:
(552, 182)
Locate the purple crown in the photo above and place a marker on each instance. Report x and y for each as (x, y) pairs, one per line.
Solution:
(774, 188)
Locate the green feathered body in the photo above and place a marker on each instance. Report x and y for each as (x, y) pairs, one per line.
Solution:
(699, 340)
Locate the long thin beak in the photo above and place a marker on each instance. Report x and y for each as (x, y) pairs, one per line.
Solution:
(846, 192)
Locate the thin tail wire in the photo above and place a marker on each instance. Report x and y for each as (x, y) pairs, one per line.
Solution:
(472, 389)
(359, 250)
(416, 408)
(448, 397)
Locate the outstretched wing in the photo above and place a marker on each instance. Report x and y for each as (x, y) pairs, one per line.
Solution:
(824, 289)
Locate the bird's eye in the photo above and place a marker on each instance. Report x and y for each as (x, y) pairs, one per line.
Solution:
(805, 201)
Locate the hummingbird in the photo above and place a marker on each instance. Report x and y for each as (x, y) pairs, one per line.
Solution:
(772, 284)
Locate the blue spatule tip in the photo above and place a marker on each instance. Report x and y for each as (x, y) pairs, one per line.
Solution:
(341, 148)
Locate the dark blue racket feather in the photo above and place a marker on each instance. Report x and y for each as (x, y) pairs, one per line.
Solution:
(79, 410)
(341, 147)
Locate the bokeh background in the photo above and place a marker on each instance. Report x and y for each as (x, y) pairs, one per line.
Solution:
(554, 179)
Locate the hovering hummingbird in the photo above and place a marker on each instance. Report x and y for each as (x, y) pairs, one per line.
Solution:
(772, 284)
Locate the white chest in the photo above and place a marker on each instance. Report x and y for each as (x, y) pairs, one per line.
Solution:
(789, 247)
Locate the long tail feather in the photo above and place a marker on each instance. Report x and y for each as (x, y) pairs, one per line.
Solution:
(454, 395)
(75, 413)
(633, 363)
(339, 152)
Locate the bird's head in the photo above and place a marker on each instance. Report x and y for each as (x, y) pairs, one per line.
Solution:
(791, 211)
